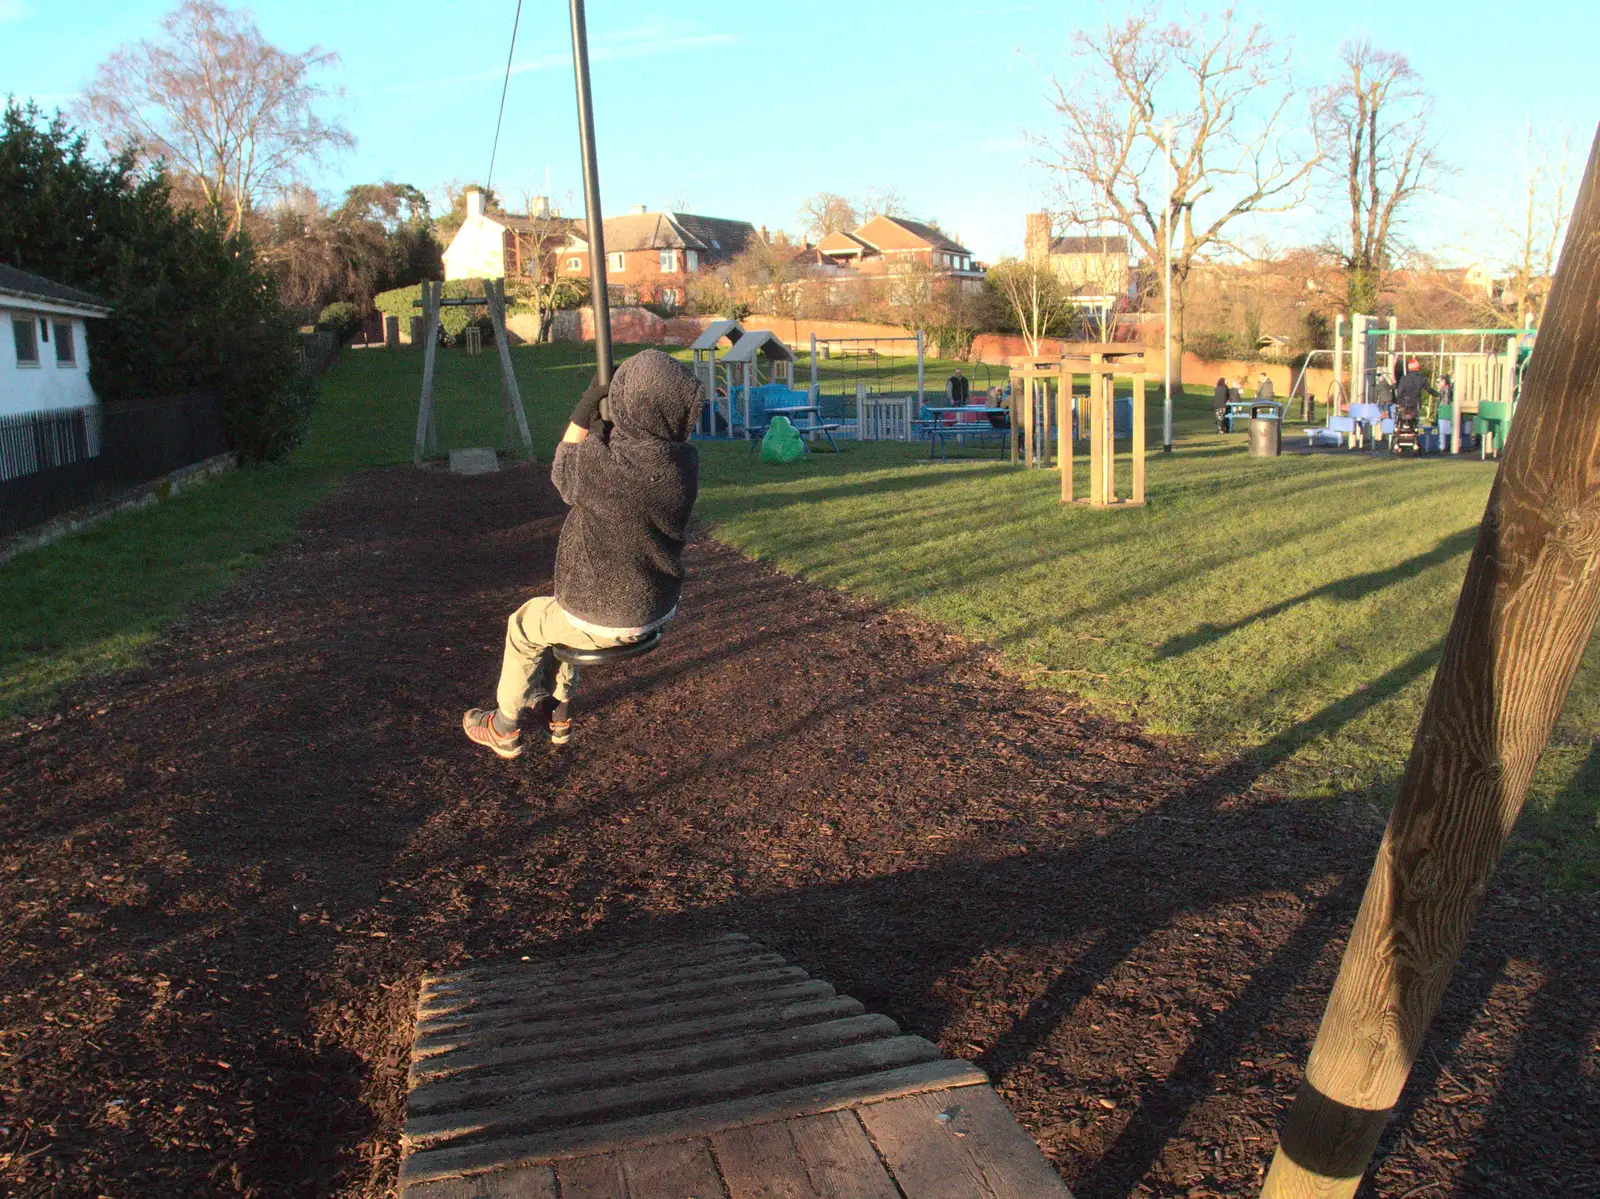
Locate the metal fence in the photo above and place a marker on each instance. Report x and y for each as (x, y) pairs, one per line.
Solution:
(52, 462)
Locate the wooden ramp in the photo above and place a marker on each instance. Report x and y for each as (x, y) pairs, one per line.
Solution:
(707, 1069)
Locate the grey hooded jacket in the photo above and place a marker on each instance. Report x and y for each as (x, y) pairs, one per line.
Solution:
(619, 563)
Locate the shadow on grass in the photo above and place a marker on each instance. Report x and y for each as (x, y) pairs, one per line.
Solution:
(1353, 587)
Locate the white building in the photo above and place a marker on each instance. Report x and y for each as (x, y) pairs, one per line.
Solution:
(493, 246)
(44, 353)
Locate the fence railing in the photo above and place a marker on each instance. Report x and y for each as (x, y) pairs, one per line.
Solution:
(52, 462)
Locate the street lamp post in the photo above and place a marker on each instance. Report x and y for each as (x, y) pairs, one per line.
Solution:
(1166, 281)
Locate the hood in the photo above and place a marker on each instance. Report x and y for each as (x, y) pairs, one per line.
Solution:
(653, 396)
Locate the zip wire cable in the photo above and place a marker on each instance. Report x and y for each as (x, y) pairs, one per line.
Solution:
(494, 149)
(504, 87)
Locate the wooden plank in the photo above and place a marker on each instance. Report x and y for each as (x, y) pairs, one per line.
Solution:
(449, 1160)
(481, 1090)
(607, 1039)
(959, 1144)
(599, 958)
(678, 1171)
(813, 1157)
(533, 1109)
(683, 1170)
(528, 1182)
(488, 996)
(537, 1027)
(542, 1007)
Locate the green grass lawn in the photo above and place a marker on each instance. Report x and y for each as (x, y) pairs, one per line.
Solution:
(1290, 609)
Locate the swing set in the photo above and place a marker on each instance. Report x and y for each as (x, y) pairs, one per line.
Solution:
(515, 418)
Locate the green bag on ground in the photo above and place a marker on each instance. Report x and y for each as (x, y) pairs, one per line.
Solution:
(782, 443)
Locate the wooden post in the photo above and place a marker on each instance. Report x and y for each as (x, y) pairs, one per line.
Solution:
(1064, 432)
(1526, 613)
(1138, 439)
(494, 291)
(866, 427)
(1016, 381)
(1108, 431)
(1027, 415)
(430, 346)
(1097, 449)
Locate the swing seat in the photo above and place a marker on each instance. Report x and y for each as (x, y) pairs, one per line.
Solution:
(573, 656)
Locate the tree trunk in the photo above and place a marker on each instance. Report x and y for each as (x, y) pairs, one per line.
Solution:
(1526, 613)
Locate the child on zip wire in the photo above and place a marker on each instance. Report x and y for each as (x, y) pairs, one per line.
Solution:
(631, 481)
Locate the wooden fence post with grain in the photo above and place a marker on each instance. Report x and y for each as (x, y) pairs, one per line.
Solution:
(1526, 613)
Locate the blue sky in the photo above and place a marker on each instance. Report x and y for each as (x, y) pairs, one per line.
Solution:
(743, 110)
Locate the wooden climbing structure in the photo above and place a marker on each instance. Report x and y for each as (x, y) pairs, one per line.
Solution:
(1042, 395)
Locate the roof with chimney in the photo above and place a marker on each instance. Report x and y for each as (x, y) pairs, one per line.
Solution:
(49, 295)
(713, 238)
(1089, 245)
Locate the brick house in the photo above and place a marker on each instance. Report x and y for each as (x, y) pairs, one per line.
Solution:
(652, 256)
(886, 245)
(1095, 268)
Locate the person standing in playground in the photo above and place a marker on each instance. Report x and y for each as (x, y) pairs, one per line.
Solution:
(630, 481)
(960, 389)
(1265, 391)
(1219, 401)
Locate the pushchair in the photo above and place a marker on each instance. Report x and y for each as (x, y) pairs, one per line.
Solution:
(1407, 426)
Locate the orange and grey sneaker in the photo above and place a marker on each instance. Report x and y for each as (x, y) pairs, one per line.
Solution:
(479, 726)
(560, 724)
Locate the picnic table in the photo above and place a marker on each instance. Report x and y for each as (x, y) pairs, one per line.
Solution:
(945, 422)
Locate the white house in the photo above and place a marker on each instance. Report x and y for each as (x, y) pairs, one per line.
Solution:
(492, 246)
(44, 355)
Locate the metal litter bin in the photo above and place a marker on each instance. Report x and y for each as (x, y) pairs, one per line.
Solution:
(1266, 431)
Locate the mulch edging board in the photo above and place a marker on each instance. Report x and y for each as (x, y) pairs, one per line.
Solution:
(709, 1066)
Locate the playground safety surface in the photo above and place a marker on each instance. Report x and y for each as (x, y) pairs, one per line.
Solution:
(224, 874)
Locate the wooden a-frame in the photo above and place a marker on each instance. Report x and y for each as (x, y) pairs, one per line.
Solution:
(515, 417)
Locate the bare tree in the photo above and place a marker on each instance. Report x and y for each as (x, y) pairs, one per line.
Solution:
(1039, 302)
(1533, 230)
(828, 212)
(1373, 130)
(217, 103)
(1225, 87)
(882, 201)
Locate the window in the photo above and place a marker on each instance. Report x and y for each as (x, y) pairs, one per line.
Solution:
(616, 261)
(66, 350)
(691, 260)
(574, 264)
(668, 297)
(27, 341)
(669, 262)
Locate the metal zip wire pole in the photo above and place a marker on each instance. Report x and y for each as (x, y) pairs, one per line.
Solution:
(1166, 280)
(591, 197)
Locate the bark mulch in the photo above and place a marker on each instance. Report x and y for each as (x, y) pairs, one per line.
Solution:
(222, 874)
